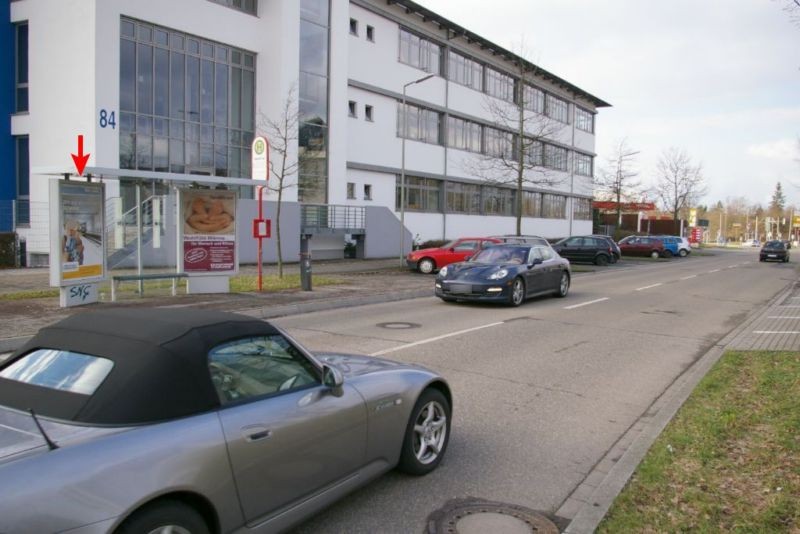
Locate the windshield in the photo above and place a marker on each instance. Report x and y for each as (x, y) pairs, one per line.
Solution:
(501, 255)
(60, 369)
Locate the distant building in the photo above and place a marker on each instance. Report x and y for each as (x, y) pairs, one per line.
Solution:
(162, 89)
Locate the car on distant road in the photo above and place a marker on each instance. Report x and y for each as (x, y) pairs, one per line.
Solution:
(428, 260)
(196, 421)
(587, 249)
(774, 251)
(505, 273)
(639, 245)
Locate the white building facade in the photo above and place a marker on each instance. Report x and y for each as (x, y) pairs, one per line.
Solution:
(160, 89)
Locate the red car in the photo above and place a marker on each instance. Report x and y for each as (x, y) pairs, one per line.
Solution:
(642, 245)
(428, 260)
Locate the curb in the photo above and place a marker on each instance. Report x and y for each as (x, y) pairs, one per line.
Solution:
(636, 442)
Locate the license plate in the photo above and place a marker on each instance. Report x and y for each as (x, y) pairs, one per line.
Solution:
(460, 288)
(772, 255)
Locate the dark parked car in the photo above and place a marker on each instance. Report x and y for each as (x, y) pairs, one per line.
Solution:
(587, 249)
(428, 260)
(638, 245)
(196, 421)
(505, 273)
(774, 251)
(614, 246)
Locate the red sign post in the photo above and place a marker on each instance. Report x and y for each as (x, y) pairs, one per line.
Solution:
(260, 171)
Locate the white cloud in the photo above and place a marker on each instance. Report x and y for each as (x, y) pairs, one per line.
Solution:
(783, 149)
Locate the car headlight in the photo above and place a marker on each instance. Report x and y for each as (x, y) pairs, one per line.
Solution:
(443, 271)
(497, 275)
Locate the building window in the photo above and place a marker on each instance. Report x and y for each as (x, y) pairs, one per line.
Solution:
(22, 150)
(422, 194)
(556, 108)
(367, 191)
(351, 109)
(499, 85)
(419, 52)
(498, 143)
(498, 201)
(554, 206)
(533, 99)
(21, 66)
(583, 164)
(370, 34)
(312, 181)
(584, 120)
(248, 6)
(465, 71)
(368, 113)
(419, 124)
(353, 27)
(187, 105)
(531, 204)
(463, 134)
(582, 209)
(463, 198)
(351, 190)
(555, 157)
(534, 153)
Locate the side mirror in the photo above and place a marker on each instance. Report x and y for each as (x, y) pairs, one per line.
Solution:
(535, 262)
(333, 379)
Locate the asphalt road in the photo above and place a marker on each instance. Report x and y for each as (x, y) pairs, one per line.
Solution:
(544, 391)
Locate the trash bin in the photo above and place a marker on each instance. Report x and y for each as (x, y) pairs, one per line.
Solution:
(305, 271)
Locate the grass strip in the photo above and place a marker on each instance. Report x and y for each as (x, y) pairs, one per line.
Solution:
(730, 459)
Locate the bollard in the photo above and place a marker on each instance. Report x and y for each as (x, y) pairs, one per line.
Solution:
(305, 271)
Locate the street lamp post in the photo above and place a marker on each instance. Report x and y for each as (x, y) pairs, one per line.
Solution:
(403, 171)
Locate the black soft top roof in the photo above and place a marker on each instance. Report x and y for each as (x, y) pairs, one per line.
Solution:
(160, 364)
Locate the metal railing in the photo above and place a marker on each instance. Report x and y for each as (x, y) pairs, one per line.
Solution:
(330, 217)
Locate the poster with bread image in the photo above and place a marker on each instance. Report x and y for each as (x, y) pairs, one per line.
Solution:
(209, 213)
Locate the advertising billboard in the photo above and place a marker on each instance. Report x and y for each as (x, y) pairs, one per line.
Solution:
(208, 231)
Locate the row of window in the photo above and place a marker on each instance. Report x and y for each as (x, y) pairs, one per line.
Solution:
(421, 124)
(428, 56)
(352, 110)
(432, 195)
(248, 6)
(351, 191)
(21, 66)
(370, 31)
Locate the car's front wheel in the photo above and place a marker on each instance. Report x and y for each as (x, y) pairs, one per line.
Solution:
(427, 434)
(426, 266)
(164, 517)
(517, 295)
(563, 286)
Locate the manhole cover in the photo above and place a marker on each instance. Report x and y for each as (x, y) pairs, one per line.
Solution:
(398, 325)
(473, 516)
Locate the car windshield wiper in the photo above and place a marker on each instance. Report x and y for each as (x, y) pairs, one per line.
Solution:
(50, 444)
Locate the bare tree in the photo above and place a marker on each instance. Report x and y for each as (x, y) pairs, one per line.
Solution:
(282, 133)
(617, 181)
(519, 158)
(792, 8)
(679, 181)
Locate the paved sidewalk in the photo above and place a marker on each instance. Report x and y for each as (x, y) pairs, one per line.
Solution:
(776, 328)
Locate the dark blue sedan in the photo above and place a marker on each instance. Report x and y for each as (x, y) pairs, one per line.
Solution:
(505, 273)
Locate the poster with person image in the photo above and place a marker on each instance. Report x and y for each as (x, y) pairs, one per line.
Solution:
(209, 231)
(80, 245)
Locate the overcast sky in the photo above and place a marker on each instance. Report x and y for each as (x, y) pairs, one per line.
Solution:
(718, 78)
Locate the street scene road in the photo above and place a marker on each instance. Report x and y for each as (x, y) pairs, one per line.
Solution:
(542, 392)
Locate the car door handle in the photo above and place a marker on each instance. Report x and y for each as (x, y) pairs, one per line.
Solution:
(256, 433)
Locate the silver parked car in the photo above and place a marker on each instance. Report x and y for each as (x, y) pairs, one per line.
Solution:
(189, 421)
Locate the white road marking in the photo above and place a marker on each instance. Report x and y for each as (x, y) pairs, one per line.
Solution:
(732, 266)
(781, 317)
(648, 287)
(714, 271)
(776, 332)
(585, 303)
(787, 306)
(688, 277)
(432, 339)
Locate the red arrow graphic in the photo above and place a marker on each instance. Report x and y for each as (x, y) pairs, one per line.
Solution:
(81, 159)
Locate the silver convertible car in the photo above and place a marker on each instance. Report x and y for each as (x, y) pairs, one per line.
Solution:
(187, 421)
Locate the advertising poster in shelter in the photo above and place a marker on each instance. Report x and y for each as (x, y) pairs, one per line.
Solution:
(81, 249)
(209, 231)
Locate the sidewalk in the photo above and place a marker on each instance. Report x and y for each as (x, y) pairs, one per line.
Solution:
(361, 282)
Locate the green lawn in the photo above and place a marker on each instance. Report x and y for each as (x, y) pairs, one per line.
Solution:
(729, 461)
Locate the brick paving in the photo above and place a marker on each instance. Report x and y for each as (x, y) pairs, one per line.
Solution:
(777, 327)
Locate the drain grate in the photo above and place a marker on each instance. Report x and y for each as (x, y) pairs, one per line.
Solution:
(475, 516)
